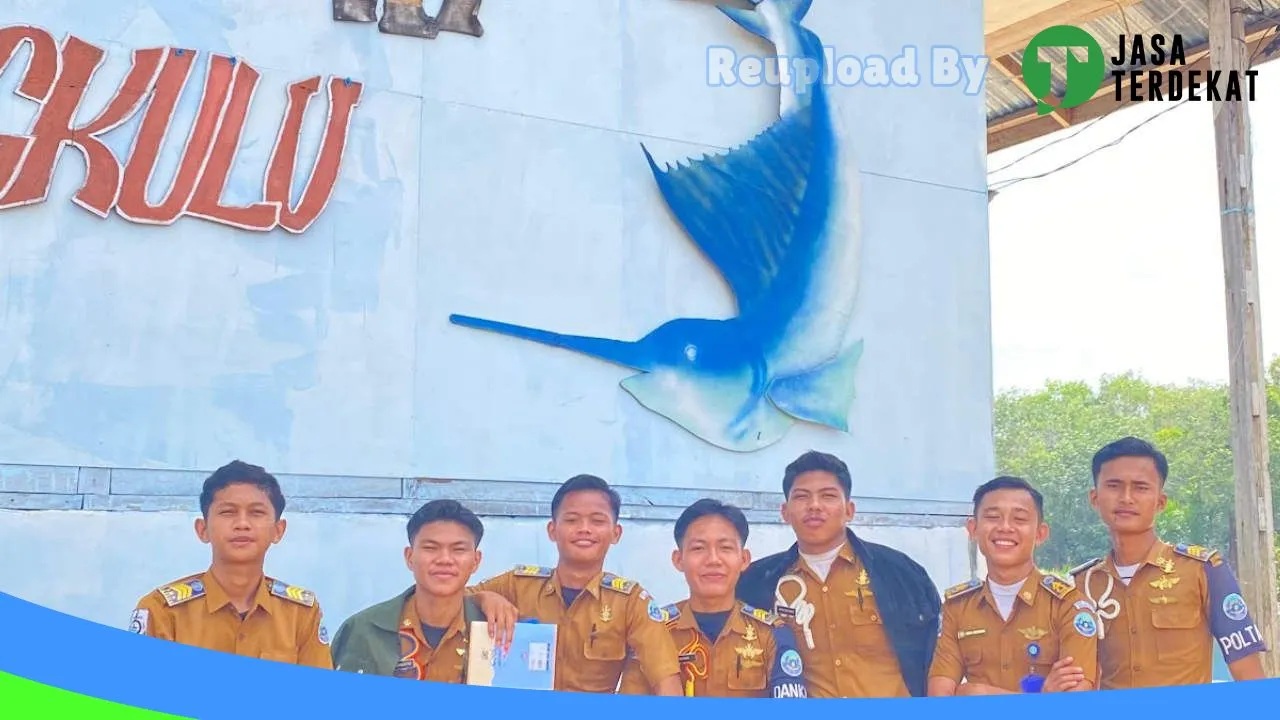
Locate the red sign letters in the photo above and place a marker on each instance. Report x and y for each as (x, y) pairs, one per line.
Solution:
(57, 78)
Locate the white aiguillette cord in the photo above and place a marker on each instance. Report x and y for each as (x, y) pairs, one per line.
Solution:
(803, 609)
(1107, 607)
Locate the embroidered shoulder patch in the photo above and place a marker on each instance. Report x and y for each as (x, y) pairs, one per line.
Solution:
(617, 584)
(1083, 566)
(1056, 585)
(671, 611)
(963, 588)
(180, 592)
(533, 571)
(763, 616)
(292, 593)
(1195, 552)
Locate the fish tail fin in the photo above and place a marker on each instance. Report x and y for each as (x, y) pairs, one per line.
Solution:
(822, 395)
(754, 21)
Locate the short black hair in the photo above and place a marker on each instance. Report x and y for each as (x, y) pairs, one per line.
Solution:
(578, 483)
(1007, 482)
(444, 511)
(1130, 447)
(814, 461)
(709, 506)
(241, 473)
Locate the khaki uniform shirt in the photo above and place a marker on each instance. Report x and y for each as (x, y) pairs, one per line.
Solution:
(285, 624)
(754, 657)
(851, 655)
(419, 661)
(1159, 630)
(610, 615)
(1050, 620)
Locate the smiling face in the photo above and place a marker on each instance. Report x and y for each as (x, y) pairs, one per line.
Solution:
(1007, 528)
(817, 510)
(241, 525)
(584, 528)
(442, 558)
(711, 557)
(1128, 495)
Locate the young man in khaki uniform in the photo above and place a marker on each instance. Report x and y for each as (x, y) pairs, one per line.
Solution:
(727, 648)
(422, 633)
(1020, 630)
(865, 615)
(1161, 607)
(233, 606)
(599, 616)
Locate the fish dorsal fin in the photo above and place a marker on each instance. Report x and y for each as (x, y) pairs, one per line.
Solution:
(743, 208)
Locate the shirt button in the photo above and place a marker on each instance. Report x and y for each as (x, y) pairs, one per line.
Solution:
(875, 618)
(837, 662)
(833, 626)
(824, 588)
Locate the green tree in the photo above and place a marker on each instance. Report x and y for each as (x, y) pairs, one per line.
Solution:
(1049, 437)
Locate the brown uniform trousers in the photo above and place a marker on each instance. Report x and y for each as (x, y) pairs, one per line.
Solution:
(285, 624)
(610, 615)
(1050, 620)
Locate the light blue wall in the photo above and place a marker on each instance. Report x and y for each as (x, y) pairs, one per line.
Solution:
(500, 176)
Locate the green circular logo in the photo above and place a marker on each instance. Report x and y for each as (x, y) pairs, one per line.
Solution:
(1084, 77)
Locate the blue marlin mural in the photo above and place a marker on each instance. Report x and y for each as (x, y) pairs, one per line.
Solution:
(779, 218)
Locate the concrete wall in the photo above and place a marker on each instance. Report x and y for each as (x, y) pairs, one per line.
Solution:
(500, 176)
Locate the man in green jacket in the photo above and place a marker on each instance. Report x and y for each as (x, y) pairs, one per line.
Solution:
(421, 633)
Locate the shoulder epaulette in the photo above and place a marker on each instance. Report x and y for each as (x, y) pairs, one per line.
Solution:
(1083, 566)
(671, 611)
(1056, 586)
(182, 591)
(292, 593)
(1195, 552)
(533, 571)
(618, 584)
(963, 588)
(763, 616)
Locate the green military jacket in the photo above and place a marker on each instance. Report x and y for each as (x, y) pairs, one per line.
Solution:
(369, 641)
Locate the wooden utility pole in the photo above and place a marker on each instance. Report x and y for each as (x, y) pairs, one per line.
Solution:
(1254, 527)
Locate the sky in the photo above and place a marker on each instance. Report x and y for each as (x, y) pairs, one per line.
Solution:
(1115, 264)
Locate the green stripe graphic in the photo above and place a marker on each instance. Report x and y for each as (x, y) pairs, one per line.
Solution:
(26, 700)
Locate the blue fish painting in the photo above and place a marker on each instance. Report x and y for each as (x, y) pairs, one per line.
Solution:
(779, 219)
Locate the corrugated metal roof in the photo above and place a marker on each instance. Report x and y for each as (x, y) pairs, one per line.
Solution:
(1188, 18)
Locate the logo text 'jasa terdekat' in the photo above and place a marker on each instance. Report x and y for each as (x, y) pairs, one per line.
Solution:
(1155, 69)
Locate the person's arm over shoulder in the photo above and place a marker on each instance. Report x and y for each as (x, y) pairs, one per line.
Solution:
(786, 676)
(503, 585)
